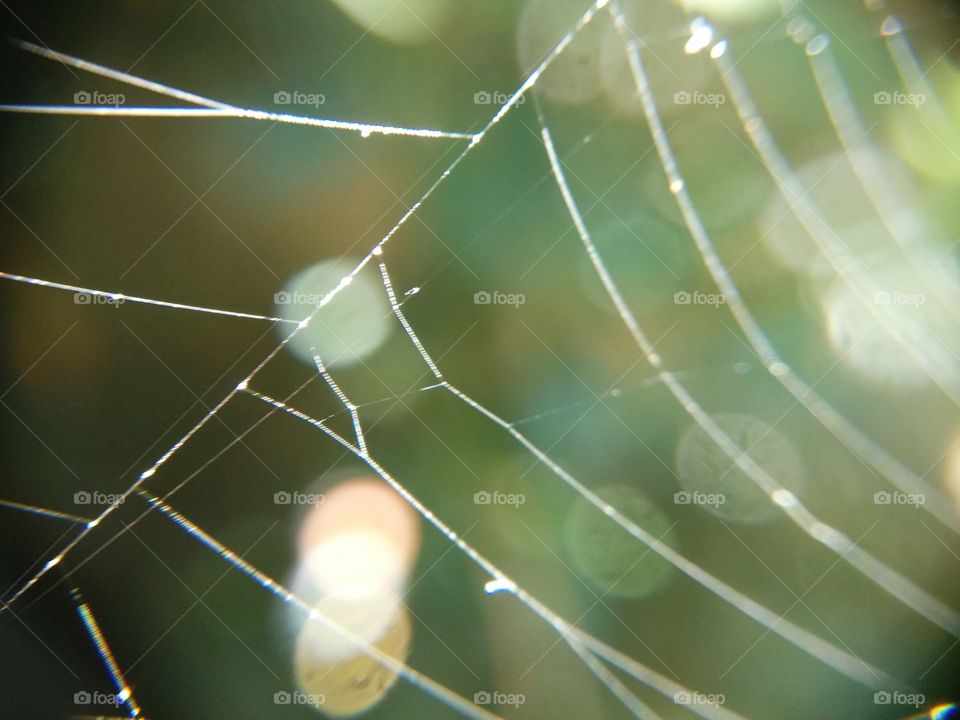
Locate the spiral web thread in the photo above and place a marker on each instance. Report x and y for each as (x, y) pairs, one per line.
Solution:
(597, 656)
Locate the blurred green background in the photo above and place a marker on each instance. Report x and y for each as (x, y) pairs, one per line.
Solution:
(221, 212)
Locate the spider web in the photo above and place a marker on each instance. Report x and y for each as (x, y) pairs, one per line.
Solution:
(640, 682)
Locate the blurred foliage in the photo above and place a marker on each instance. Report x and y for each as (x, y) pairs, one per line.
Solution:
(221, 213)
